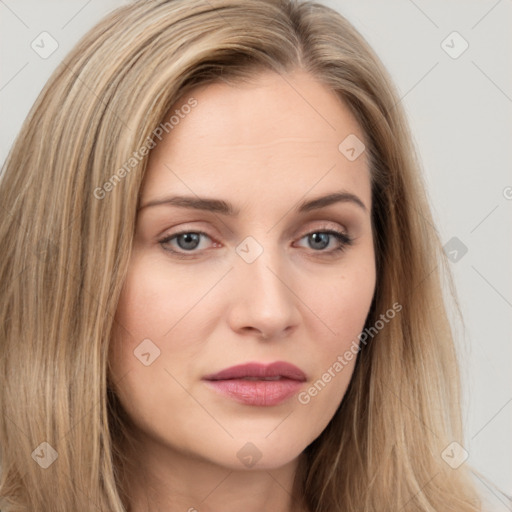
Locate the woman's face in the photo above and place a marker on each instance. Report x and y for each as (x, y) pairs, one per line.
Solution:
(265, 282)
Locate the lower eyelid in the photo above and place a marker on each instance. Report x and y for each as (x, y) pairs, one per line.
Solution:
(174, 236)
(341, 237)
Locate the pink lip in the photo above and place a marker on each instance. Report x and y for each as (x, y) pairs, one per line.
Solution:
(231, 382)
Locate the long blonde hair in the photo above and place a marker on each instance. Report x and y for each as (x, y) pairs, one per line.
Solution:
(66, 240)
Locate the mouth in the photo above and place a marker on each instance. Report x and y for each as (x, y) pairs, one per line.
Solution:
(279, 377)
(258, 384)
(259, 371)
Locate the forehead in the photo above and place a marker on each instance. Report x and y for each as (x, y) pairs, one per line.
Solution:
(280, 133)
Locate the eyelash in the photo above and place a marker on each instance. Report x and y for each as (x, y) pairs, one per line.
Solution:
(344, 240)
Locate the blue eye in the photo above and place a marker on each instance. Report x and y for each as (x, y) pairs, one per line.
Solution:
(179, 244)
(187, 241)
(320, 240)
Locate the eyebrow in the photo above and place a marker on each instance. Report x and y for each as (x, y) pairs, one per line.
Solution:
(225, 208)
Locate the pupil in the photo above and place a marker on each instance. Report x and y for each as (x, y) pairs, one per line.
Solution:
(323, 237)
(189, 238)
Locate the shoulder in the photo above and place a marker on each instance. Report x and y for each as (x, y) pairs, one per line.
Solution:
(493, 498)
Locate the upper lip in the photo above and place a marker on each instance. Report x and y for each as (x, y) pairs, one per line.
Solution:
(277, 369)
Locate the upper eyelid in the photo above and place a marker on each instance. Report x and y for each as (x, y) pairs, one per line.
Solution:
(324, 225)
(324, 228)
(196, 226)
(343, 238)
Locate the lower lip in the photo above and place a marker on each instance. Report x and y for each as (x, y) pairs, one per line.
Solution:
(257, 392)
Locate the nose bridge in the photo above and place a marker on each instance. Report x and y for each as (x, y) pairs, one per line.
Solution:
(258, 262)
(263, 298)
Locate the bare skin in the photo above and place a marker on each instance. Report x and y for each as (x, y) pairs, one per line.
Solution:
(264, 148)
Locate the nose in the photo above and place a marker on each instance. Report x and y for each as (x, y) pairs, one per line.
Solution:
(263, 302)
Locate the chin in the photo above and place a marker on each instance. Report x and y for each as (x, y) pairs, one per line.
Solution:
(253, 454)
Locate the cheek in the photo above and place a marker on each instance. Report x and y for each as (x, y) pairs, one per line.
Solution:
(343, 299)
(158, 300)
(176, 310)
(162, 305)
(350, 308)
(342, 304)
(144, 312)
(149, 310)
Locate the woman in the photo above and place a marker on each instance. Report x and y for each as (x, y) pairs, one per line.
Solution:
(174, 338)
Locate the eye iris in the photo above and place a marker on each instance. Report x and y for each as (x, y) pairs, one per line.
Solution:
(188, 238)
(323, 238)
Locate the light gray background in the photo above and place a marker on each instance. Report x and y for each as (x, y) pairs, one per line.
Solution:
(460, 110)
